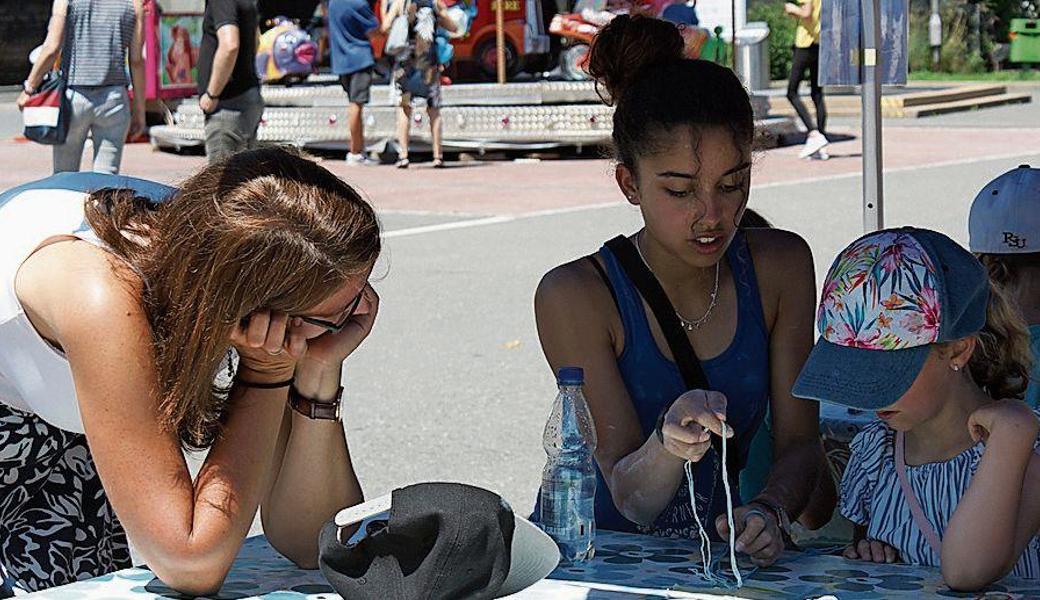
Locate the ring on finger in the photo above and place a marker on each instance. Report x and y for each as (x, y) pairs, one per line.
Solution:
(755, 512)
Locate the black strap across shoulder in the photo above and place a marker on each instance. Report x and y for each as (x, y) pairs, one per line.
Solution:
(682, 351)
(606, 280)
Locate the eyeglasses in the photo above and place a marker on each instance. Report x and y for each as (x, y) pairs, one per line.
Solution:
(336, 327)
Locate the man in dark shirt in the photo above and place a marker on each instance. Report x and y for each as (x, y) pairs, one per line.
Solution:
(228, 86)
(351, 25)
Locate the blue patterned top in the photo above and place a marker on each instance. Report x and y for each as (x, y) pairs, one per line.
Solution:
(871, 496)
(741, 372)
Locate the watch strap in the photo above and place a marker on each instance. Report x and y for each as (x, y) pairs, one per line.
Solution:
(328, 410)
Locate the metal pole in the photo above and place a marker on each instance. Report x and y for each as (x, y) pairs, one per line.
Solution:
(500, 39)
(975, 45)
(733, 34)
(935, 34)
(873, 187)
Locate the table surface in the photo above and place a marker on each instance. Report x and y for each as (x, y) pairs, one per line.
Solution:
(625, 567)
(841, 423)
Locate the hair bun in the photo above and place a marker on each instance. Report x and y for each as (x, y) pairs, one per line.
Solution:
(627, 47)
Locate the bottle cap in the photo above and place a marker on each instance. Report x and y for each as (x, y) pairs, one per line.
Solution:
(570, 376)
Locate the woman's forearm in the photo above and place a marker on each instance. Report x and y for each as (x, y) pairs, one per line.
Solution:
(223, 65)
(795, 474)
(227, 492)
(643, 483)
(44, 62)
(315, 476)
(137, 79)
(979, 542)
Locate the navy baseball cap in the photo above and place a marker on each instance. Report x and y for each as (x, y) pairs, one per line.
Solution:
(887, 298)
(1005, 216)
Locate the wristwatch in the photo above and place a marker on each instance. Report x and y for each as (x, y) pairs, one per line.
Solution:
(328, 410)
(28, 89)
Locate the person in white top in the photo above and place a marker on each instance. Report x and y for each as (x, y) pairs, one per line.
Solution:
(121, 301)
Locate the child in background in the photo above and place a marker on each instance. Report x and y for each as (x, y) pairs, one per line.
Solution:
(1004, 233)
(947, 477)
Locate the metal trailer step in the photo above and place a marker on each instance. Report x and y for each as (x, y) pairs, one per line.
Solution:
(470, 94)
(466, 128)
(475, 116)
(570, 124)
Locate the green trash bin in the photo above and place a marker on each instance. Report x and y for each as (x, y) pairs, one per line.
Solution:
(1025, 41)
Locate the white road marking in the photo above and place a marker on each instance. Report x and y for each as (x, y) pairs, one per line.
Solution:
(480, 222)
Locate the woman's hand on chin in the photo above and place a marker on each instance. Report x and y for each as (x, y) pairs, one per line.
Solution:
(332, 348)
(266, 345)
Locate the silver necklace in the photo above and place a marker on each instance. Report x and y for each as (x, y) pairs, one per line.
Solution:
(689, 324)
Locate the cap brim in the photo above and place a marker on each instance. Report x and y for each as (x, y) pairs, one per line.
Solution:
(533, 556)
(359, 512)
(858, 377)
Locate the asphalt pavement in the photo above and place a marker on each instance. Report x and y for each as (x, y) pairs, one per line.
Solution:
(452, 384)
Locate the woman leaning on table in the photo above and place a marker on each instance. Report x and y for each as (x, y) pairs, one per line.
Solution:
(118, 307)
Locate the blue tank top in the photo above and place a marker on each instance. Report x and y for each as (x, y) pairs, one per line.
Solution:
(741, 372)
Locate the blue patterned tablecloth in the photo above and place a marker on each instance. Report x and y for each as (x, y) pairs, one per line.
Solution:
(626, 567)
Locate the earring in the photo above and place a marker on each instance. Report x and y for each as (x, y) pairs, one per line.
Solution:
(956, 368)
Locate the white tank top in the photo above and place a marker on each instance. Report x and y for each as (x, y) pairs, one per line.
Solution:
(34, 376)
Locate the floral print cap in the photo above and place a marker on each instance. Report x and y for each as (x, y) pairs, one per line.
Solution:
(887, 297)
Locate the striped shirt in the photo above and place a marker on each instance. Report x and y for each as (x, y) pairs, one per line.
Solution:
(97, 36)
(871, 496)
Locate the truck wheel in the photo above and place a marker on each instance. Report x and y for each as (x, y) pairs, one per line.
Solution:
(487, 57)
(572, 62)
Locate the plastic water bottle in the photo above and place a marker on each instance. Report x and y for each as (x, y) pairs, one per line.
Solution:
(568, 500)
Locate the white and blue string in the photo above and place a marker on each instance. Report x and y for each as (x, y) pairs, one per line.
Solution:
(708, 566)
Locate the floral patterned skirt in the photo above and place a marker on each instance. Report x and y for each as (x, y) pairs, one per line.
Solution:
(56, 524)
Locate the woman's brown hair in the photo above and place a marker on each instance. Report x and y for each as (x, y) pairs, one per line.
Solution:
(639, 62)
(262, 229)
(1002, 359)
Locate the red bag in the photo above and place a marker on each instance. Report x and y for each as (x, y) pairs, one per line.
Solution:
(46, 113)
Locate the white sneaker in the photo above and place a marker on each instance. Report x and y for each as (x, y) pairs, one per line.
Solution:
(820, 155)
(814, 142)
(359, 160)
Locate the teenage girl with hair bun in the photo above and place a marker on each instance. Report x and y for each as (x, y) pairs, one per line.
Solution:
(683, 132)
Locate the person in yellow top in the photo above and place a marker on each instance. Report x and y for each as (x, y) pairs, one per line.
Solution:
(807, 55)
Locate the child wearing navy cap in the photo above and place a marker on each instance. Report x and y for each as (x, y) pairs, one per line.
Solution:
(1004, 233)
(911, 328)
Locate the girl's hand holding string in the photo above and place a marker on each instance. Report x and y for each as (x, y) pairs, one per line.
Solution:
(690, 421)
(758, 533)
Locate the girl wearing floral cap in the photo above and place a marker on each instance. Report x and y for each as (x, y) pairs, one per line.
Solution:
(910, 328)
